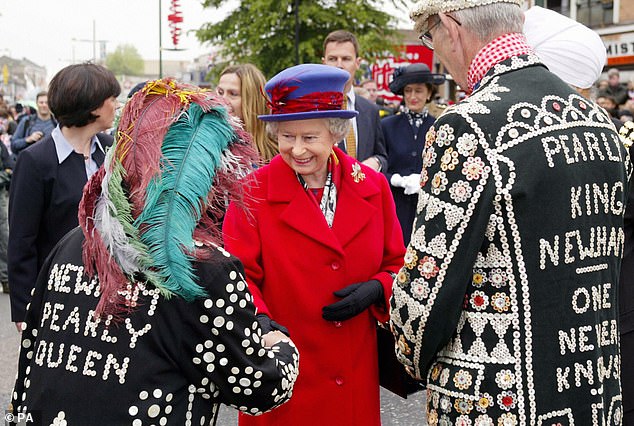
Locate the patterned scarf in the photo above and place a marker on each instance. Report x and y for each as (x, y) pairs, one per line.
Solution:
(416, 119)
(328, 202)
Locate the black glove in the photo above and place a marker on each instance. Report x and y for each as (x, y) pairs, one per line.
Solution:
(267, 325)
(356, 298)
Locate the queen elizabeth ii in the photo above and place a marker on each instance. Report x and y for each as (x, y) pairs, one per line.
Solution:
(320, 240)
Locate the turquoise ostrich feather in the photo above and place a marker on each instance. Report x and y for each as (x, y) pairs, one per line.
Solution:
(175, 197)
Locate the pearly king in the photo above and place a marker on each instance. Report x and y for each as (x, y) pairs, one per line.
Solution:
(507, 304)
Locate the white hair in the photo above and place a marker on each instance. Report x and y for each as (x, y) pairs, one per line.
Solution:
(490, 21)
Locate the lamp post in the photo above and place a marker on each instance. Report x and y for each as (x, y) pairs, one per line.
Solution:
(175, 18)
(160, 40)
(94, 42)
(296, 7)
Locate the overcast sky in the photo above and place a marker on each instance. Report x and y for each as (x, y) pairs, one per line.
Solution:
(43, 30)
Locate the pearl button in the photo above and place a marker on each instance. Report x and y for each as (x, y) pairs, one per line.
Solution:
(339, 381)
(335, 266)
(337, 324)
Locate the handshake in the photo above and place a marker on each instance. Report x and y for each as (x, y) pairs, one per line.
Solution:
(411, 183)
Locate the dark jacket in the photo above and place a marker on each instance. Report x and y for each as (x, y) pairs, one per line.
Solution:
(404, 156)
(170, 359)
(619, 93)
(43, 203)
(7, 162)
(26, 127)
(370, 137)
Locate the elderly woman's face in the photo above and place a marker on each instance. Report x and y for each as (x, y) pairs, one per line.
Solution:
(416, 95)
(305, 146)
(229, 89)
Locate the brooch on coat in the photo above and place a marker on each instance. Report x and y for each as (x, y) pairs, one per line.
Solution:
(357, 174)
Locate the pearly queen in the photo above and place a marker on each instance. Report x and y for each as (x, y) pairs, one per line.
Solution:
(506, 306)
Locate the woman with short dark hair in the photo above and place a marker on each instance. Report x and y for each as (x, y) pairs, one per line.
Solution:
(50, 175)
(78, 91)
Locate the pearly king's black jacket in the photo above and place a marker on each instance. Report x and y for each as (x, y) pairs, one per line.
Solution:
(507, 304)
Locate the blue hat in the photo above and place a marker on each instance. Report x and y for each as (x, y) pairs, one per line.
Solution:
(307, 91)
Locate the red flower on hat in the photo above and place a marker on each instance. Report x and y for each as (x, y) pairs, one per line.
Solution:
(279, 95)
(316, 101)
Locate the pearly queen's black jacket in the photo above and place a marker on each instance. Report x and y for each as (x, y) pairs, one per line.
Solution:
(507, 303)
(168, 362)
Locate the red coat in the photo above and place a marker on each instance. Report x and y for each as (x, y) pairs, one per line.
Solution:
(294, 262)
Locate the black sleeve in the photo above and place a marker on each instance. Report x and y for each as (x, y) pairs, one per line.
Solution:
(222, 345)
(26, 207)
(424, 321)
(4, 156)
(18, 140)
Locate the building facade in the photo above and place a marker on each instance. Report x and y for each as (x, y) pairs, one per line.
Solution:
(613, 20)
(21, 78)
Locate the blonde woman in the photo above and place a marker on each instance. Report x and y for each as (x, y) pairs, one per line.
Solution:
(240, 85)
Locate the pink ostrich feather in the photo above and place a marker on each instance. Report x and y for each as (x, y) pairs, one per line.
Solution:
(135, 150)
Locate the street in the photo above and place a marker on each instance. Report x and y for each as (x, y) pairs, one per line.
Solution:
(8, 351)
(394, 410)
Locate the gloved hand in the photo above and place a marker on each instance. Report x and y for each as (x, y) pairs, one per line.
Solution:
(412, 184)
(356, 298)
(397, 181)
(267, 324)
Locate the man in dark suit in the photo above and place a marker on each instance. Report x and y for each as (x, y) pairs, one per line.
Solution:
(365, 142)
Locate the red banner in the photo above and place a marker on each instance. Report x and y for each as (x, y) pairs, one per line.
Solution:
(383, 69)
(175, 18)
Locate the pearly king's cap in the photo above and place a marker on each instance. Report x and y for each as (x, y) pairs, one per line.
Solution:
(570, 50)
(426, 8)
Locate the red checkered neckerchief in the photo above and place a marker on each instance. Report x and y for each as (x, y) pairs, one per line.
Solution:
(500, 49)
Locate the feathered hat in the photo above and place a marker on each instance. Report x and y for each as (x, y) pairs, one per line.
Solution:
(154, 207)
(307, 91)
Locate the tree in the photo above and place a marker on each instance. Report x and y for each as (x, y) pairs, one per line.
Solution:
(262, 32)
(125, 60)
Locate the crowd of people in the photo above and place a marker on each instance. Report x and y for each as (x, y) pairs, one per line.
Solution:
(245, 245)
(21, 127)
